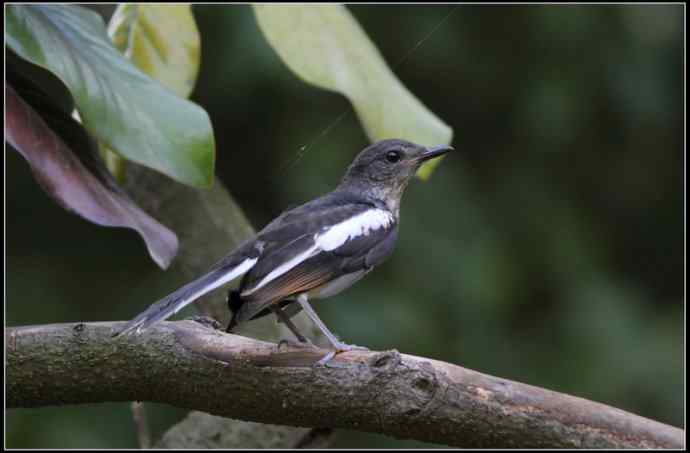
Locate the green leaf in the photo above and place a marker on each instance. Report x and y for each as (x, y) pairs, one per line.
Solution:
(126, 110)
(161, 40)
(325, 46)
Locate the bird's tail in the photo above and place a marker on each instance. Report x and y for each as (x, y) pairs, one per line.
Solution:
(174, 302)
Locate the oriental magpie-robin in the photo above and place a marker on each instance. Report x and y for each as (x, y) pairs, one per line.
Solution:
(315, 250)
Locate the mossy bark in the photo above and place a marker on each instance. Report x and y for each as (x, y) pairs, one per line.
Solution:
(192, 366)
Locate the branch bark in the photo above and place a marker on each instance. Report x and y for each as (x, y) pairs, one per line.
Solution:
(189, 365)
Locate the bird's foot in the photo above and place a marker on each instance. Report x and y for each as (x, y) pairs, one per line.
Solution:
(302, 343)
(206, 321)
(344, 347)
(325, 359)
(339, 348)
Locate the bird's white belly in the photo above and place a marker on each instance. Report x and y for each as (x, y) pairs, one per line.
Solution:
(337, 285)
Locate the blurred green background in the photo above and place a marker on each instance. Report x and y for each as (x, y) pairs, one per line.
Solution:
(549, 249)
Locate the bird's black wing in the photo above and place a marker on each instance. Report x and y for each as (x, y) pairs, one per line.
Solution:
(322, 211)
(293, 235)
(366, 254)
(306, 250)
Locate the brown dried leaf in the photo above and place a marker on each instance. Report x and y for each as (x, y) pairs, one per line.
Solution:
(77, 180)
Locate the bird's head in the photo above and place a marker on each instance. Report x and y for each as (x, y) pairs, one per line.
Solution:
(383, 169)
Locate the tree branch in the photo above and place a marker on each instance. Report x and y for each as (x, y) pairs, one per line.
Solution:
(188, 365)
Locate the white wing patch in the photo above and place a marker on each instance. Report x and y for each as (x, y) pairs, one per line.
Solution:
(234, 273)
(330, 238)
(359, 225)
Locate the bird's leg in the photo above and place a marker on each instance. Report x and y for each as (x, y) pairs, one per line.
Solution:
(285, 319)
(291, 310)
(337, 344)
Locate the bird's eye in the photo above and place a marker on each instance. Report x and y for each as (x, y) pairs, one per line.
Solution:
(393, 156)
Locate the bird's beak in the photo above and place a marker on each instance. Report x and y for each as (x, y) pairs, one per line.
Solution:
(434, 151)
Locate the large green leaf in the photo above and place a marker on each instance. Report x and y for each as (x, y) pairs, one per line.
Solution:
(125, 109)
(161, 40)
(326, 46)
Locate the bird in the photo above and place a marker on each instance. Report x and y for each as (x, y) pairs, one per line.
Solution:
(313, 251)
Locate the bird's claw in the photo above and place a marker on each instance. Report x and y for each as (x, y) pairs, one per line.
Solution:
(325, 359)
(339, 348)
(206, 321)
(295, 344)
(342, 347)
